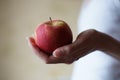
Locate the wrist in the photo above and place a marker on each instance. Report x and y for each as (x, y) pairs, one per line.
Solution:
(109, 45)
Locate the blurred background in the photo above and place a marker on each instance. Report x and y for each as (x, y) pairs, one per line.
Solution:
(18, 19)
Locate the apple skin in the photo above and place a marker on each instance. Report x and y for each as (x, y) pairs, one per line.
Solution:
(53, 34)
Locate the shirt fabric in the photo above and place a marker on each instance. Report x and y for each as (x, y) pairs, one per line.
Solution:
(104, 16)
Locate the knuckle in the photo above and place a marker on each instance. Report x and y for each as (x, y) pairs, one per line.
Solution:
(92, 31)
(67, 49)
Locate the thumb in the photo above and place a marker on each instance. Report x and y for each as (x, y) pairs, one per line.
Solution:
(61, 52)
(66, 50)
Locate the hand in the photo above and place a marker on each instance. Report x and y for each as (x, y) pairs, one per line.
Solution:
(84, 44)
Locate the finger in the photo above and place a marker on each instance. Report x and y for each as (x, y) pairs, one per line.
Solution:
(61, 52)
(37, 50)
(31, 41)
(65, 54)
(54, 60)
(66, 50)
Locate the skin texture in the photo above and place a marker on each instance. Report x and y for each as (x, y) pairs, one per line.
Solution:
(86, 42)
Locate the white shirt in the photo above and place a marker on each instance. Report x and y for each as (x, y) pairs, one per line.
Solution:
(104, 16)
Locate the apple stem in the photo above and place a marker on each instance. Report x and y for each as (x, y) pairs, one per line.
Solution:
(50, 19)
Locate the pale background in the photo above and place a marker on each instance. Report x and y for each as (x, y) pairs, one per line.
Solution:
(18, 19)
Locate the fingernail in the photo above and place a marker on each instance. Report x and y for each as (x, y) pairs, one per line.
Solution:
(55, 53)
(58, 53)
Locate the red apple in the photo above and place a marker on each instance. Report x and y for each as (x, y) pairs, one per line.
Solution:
(53, 34)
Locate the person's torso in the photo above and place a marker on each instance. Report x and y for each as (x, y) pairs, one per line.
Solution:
(104, 16)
